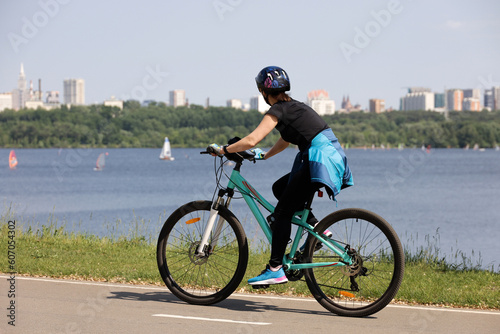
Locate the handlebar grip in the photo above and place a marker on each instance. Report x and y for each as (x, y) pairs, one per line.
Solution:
(211, 150)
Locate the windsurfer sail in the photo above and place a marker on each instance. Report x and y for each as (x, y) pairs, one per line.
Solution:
(12, 160)
(100, 163)
(166, 153)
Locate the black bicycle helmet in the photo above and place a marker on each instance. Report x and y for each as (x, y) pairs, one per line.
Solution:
(273, 79)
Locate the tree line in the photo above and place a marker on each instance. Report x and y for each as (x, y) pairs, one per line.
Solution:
(196, 126)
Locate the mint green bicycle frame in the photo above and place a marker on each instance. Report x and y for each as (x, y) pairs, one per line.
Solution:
(236, 180)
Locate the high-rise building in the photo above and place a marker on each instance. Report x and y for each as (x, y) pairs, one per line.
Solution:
(74, 91)
(377, 106)
(472, 100)
(489, 103)
(234, 103)
(454, 99)
(321, 102)
(5, 101)
(439, 101)
(21, 82)
(418, 90)
(418, 101)
(20, 94)
(471, 104)
(177, 98)
(475, 93)
(495, 92)
(258, 103)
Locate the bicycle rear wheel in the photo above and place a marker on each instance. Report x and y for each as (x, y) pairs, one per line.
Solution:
(372, 281)
(213, 277)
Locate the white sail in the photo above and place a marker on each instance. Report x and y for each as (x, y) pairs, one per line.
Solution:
(166, 153)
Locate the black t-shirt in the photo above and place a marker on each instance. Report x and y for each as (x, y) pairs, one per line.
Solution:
(297, 122)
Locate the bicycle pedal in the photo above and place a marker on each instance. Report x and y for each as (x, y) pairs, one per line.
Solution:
(261, 286)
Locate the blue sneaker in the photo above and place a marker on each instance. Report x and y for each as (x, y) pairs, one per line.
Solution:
(267, 277)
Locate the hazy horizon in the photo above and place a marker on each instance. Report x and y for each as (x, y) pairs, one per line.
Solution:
(214, 49)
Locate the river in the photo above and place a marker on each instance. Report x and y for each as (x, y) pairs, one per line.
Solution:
(448, 198)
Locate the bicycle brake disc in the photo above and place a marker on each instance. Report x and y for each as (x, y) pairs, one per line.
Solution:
(196, 259)
(355, 267)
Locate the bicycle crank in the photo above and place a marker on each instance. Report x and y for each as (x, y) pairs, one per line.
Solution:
(295, 275)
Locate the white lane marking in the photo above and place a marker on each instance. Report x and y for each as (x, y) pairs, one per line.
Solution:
(210, 319)
(426, 308)
(129, 286)
(108, 284)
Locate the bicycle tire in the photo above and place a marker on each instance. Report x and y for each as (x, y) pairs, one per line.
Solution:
(368, 285)
(212, 278)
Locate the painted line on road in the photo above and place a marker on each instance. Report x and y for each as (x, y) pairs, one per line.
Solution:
(210, 319)
(428, 308)
(107, 284)
(130, 286)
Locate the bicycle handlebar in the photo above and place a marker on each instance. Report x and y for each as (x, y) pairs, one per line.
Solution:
(237, 157)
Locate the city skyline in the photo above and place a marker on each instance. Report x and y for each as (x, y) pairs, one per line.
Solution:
(417, 98)
(367, 50)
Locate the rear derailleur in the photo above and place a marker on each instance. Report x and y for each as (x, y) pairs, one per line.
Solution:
(354, 270)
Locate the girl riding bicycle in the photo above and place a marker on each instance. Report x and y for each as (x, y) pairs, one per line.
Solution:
(320, 162)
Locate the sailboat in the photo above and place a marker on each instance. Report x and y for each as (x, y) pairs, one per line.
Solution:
(166, 153)
(101, 162)
(12, 160)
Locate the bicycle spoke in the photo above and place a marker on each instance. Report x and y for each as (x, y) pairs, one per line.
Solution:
(208, 277)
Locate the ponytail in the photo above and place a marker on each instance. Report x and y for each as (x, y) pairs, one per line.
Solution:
(281, 97)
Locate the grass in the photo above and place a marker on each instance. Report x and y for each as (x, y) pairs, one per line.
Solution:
(50, 251)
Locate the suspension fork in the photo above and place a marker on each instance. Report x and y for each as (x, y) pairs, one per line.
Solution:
(203, 248)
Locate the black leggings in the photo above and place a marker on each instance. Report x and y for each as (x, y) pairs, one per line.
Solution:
(292, 196)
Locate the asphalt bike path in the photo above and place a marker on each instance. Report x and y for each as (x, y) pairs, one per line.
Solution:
(44, 305)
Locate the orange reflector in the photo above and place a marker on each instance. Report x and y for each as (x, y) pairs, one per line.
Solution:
(194, 220)
(347, 294)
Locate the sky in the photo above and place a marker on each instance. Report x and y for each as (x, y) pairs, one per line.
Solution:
(214, 49)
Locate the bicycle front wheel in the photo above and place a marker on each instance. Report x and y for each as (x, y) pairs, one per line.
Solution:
(202, 280)
(373, 279)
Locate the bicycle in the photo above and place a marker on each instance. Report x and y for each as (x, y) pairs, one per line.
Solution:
(202, 251)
